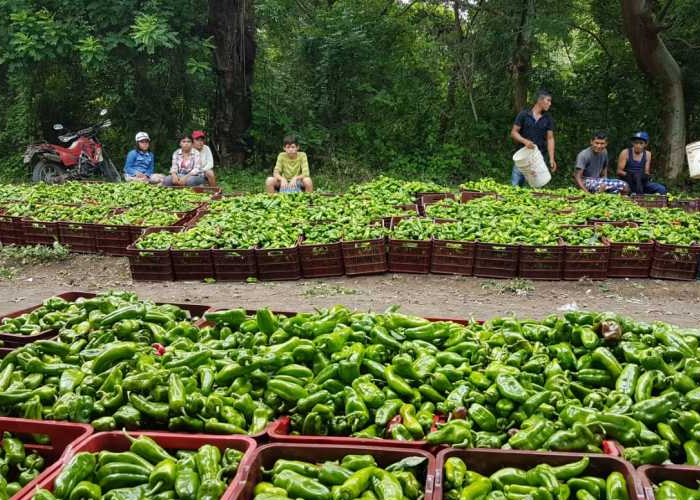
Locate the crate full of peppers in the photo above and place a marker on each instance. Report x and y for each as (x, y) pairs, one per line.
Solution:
(335, 472)
(495, 475)
(32, 450)
(160, 466)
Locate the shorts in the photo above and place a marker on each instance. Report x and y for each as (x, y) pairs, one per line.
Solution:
(611, 185)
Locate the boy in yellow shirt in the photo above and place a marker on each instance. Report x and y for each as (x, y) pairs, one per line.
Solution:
(291, 171)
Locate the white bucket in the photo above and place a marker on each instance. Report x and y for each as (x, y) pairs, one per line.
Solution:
(531, 164)
(693, 153)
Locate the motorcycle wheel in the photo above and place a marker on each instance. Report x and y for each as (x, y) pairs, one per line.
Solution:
(109, 171)
(48, 171)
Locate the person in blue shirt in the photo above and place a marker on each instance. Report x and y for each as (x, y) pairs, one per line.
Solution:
(534, 128)
(634, 166)
(140, 162)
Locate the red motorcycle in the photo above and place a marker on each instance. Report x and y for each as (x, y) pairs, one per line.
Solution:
(84, 159)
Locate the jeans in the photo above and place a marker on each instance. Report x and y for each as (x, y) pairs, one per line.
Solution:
(516, 177)
(195, 180)
(654, 188)
(640, 184)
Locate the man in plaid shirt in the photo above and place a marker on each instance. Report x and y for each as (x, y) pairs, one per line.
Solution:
(591, 172)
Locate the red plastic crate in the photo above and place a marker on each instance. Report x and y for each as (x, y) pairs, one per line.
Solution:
(64, 438)
(112, 239)
(675, 262)
(586, 262)
(650, 475)
(408, 207)
(690, 206)
(151, 265)
(630, 260)
(425, 199)
(649, 201)
(118, 442)
(266, 456)
(453, 257)
(541, 262)
(467, 196)
(496, 261)
(365, 257)
(39, 232)
(11, 230)
(486, 462)
(409, 256)
(278, 264)
(234, 265)
(192, 265)
(320, 261)
(78, 237)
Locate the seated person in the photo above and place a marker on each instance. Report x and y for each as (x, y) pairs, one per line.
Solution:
(291, 171)
(199, 137)
(634, 165)
(591, 172)
(186, 167)
(140, 162)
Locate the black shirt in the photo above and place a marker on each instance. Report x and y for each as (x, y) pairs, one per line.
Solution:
(535, 131)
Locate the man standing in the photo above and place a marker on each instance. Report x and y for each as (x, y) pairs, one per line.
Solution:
(206, 158)
(535, 128)
(591, 172)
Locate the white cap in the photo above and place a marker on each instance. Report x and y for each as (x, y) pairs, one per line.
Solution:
(141, 136)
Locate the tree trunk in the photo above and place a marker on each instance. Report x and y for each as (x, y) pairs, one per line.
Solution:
(231, 22)
(654, 59)
(520, 62)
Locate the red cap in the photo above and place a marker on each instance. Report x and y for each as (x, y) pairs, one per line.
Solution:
(198, 133)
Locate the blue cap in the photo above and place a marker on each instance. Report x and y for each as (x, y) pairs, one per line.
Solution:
(640, 136)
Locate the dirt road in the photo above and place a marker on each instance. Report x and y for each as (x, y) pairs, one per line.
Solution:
(429, 295)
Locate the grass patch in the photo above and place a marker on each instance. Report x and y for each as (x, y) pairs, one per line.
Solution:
(30, 255)
(326, 290)
(516, 286)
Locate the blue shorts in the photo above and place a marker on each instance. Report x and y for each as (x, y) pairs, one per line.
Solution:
(299, 188)
(611, 185)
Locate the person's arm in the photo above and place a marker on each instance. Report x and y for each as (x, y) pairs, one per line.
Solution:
(515, 134)
(174, 169)
(622, 163)
(604, 172)
(647, 166)
(207, 159)
(197, 159)
(550, 150)
(277, 172)
(305, 166)
(151, 165)
(129, 163)
(578, 177)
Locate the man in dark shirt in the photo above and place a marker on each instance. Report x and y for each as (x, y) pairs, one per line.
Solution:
(535, 128)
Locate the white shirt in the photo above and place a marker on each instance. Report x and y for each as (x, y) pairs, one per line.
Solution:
(206, 159)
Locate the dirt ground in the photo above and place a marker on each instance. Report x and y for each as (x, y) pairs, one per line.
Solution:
(428, 295)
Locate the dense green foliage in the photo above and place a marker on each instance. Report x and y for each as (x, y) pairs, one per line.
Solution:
(370, 85)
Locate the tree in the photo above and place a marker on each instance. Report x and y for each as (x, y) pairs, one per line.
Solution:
(232, 24)
(643, 30)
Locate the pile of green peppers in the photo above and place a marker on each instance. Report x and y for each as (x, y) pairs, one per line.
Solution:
(56, 313)
(565, 383)
(542, 482)
(569, 383)
(671, 490)
(132, 366)
(146, 471)
(17, 466)
(353, 477)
